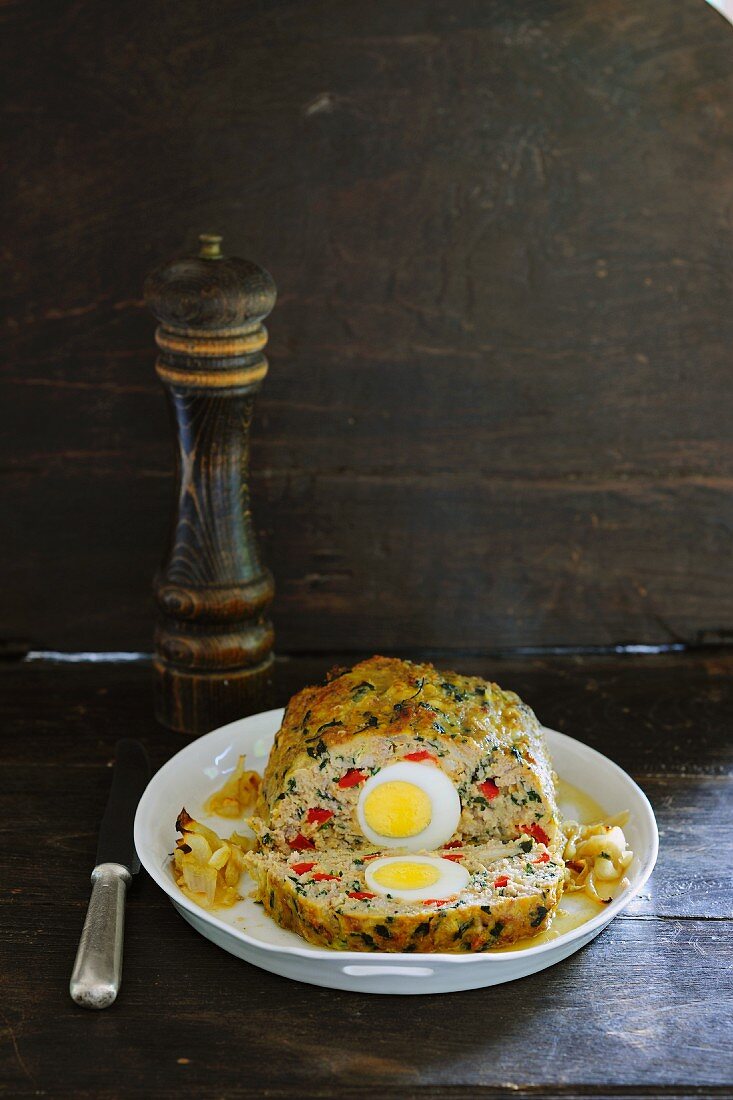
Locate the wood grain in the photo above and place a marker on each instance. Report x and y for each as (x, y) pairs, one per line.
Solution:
(213, 640)
(498, 414)
(642, 1011)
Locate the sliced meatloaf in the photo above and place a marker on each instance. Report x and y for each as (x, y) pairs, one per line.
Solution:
(335, 736)
(512, 891)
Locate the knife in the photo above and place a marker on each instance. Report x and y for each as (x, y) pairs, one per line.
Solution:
(95, 979)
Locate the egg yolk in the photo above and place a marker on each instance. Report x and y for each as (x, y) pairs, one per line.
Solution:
(406, 876)
(397, 808)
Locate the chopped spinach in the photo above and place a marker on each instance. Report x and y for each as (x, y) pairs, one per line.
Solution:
(361, 690)
(453, 692)
(328, 725)
(540, 914)
(462, 929)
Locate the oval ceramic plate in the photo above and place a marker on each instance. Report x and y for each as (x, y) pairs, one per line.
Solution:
(244, 930)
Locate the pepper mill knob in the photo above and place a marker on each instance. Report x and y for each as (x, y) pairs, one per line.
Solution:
(213, 644)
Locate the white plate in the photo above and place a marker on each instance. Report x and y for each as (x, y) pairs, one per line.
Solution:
(244, 930)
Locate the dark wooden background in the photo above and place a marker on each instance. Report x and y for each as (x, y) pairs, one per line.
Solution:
(498, 416)
(499, 411)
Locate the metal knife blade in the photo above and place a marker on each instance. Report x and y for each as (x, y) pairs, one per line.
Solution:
(129, 780)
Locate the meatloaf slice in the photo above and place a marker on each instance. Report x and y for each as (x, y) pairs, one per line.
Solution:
(512, 892)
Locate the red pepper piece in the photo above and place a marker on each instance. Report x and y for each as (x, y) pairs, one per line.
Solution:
(352, 778)
(489, 789)
(302, 868)
(321, 876)
(543, 858)
(438, 901)
(502, 880)
(301, 843)
(421, 754)
(536, 832)
(372, 855)
(454, 859)
(454, 844)
(360, 895)
(314, 814)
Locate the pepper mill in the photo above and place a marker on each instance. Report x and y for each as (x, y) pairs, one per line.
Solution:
(213, 643)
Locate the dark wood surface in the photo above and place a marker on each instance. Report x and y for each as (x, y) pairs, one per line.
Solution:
(644, 1010)
(498, 410)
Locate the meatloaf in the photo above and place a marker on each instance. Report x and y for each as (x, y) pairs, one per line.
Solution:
(512, 891)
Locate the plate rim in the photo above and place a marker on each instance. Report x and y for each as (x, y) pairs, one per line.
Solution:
(310, 951)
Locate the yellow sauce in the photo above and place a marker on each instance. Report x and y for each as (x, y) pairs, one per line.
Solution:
(574, 909)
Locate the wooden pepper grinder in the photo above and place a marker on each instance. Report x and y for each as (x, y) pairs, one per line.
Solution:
(213, 644)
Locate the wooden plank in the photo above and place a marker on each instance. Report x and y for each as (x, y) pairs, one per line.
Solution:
(497, 301)
(609, 1015)
(385, 563)
(667, 716)
(309, 424)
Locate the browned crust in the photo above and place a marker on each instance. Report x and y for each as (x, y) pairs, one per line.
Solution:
(409, 698)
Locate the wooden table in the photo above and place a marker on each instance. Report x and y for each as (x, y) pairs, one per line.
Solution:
(644, 1010)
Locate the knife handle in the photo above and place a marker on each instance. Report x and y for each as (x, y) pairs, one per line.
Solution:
(95, 979)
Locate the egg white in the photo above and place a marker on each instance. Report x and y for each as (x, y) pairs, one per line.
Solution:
(445, 806)
(453, 878)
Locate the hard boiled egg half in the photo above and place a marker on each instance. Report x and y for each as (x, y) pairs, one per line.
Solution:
(407, 805)
(416, 878)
